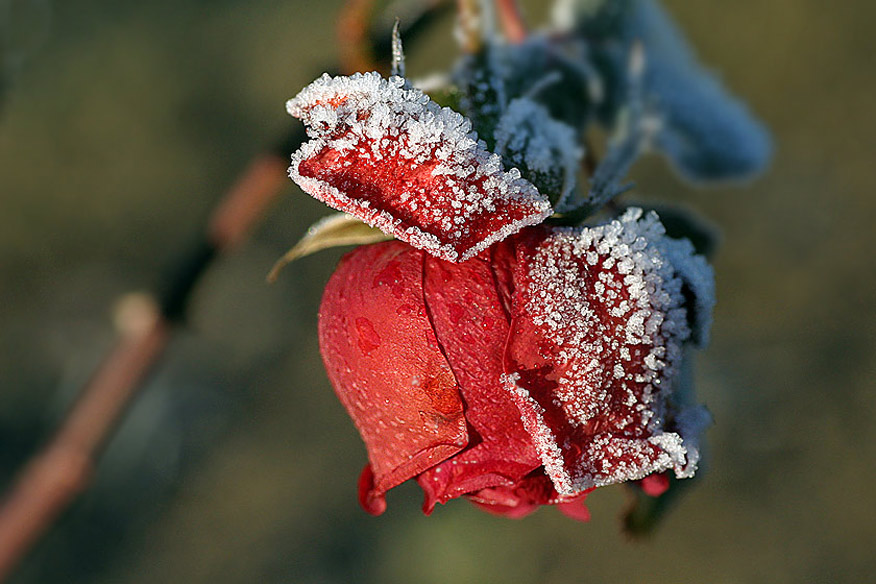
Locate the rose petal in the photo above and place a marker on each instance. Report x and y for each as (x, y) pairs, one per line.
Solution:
(472, 329)
(385, 153)
(385, 364)
(655, 485)
(596, 335)
(526, 496)
(576, 510)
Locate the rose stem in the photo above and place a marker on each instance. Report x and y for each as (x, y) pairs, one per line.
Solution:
(53, 478)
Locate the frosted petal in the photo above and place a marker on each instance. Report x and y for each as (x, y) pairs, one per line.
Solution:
(699, 278)
(598, 325)
(385, 153)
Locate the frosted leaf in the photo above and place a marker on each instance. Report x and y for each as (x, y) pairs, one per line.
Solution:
(597, 333)
(502, 72)
(481, 80)
(385, 153)
(706, 132)
(546, 151)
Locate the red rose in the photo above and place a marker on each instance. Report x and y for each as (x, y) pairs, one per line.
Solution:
(540, 366)
(528, 375)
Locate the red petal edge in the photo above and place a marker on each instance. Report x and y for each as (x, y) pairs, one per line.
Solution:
(527, 496)
(655, 485)
(472, 329)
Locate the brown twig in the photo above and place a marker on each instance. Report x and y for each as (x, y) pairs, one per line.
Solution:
(57, 475)
(247, 200)
(354, 43)
(62, 470)
(512, 21)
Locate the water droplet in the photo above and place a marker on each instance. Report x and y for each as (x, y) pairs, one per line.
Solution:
(367, 337)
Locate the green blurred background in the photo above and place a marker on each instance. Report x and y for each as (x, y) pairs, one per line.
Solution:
(119, 132)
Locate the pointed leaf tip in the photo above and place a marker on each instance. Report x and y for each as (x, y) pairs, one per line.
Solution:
(332, 231)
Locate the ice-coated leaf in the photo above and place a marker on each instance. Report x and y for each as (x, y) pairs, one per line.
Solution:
(706, 132)
(596, 339)
(385, 153)
(556, 76)
(546, 151)
(332, 231)
(481, 81)
(632, 131)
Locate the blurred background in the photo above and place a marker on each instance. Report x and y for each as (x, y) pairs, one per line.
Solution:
(122, 122)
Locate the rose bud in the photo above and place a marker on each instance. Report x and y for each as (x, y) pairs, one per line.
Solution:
(517, 366)
(543, 367)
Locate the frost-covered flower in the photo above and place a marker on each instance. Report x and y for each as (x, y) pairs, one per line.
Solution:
(527, 375)
(483, 354)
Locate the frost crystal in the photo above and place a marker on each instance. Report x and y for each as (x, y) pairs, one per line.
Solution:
(604, 305)
(546, 151)
(385, 153)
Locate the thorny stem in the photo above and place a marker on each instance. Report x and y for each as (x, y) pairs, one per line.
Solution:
(512, 21)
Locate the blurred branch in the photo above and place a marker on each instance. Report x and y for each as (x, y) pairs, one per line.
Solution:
(512, 20)
(63, 469)
(57, 474)
(354, 46)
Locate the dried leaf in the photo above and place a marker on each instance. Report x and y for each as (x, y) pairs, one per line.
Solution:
(332, 231)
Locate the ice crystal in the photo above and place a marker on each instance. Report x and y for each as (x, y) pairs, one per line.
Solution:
(546, 151)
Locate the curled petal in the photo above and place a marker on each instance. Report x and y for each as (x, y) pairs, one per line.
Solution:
(384, 362)
(596, 337)
(387, 154)
(527, 495)
(655, 485)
